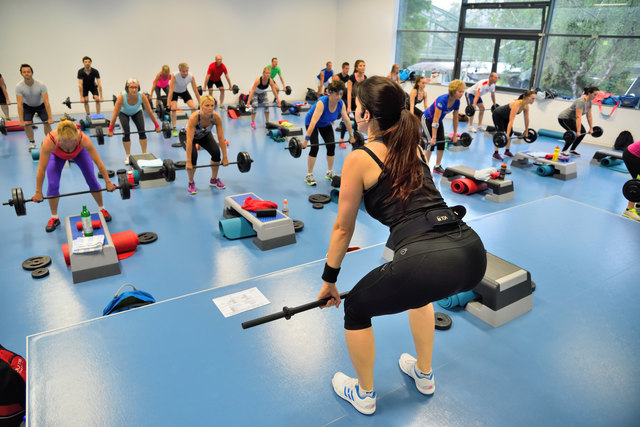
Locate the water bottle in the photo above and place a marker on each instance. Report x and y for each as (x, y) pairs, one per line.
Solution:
(285, 208)
(503, 171)
(556, 152)
(87, 228)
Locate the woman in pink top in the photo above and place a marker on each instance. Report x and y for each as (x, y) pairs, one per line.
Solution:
(631, 157)
(161, 83)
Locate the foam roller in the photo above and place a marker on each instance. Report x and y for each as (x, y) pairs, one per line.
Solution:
(545, 170)
(458, 300)
(458, 186)
(610, 161)
(35, 154)
(236, 228)
(551, 133)
(335, 195)
(475, 186)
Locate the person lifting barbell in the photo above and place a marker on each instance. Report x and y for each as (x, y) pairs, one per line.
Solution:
(66, 143)
(258, 95)
(474, 99)
(169, 167)
(67, 102)
(32, 98)
(129, 105)
(571, 120)
(503, 119)
(631, 189)
(178, 88)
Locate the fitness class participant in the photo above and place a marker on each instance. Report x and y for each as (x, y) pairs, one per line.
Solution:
(357, 77)
(571, 119)
(178, 88)
(199, 132)
(394, 74)
(66, 143)
(274, 71)
(391, 175)
(214, 77)
(32, 98)
(631, 158)
(343, 76)
(432, 125)
(132, 109)
(89, 81)
(324, 78)
(5, 101)
(505, 115)
(318, 120)
(160, 84)
(258, 95)
(474, 97)
(418, 95)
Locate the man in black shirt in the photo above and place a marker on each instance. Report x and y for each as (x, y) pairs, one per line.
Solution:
(89, 81)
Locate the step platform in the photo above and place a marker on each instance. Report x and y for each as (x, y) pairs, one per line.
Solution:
(271, 232)
(601, 154)
(286, 131)
(501, 189)
(562, 170)
(505, 290)
(149, 177)
(93, 265)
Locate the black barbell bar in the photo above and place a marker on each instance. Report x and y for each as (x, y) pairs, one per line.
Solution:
(570, 136)
(68, 101)
(243, 160)
(234, 89)
(166, 132)
(500, 138)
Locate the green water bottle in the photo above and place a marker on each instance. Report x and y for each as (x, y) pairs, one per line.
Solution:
(87, 228)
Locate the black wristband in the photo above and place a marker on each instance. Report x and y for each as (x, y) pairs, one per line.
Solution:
(330, 274)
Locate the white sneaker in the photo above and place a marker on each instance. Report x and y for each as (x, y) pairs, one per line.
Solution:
(424, 385)
(474, 130)
(310, 180)
(347, 388)
(32, 146)
(565, 153)
(126, 160)
(481, 128)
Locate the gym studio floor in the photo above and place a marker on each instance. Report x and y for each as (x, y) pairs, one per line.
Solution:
(570, 361)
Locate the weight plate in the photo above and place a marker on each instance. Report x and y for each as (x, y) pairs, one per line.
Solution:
(40, 273)
(298, 225)
(36, 262)
(443, 322)
(110, 172)
(147, 237)
(320, 198)
(180, 164)
(335, 181)
(318, 205)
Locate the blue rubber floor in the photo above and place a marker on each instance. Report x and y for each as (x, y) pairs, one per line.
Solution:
(569, 361)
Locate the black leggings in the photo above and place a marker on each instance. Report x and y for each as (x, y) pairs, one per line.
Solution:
(420, 273)
(343, 130)
(210, 144)
(501, 123)
(327, 136)
(571, 125)
(426, 131)
(632, 162)
(138, 119)
(159, 93)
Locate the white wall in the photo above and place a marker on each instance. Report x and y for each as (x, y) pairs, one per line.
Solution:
(135, 38)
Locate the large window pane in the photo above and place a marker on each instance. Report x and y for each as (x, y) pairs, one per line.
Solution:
(426, 52)
(608, 17)
(429, 15)
(571, 63)
(477, 59)
(515, 63)
(521, 19)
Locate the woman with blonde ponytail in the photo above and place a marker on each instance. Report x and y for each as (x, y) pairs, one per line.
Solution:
(68, 143)
(429, 239)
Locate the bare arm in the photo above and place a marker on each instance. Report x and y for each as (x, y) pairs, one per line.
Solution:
(314, 121)
(273, 89)
(19, 103)
(91, 149)
(153, 86)
(99, 83)
(253, 89)
(4, 90)
(47, 106)
(221, 141)
(347, 121)
(195, 89)
(191, 130)
(147, 108)
(513, 112)
(578, 121)
(349, 90)
(116, 111)
(412, 99)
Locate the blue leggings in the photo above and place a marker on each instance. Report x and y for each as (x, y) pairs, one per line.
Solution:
(54, 169)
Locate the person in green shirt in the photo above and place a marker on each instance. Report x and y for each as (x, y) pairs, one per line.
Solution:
(275, 71)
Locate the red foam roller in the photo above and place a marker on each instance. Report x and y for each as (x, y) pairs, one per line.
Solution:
(474, 186)
(96, 223)
(458, 186)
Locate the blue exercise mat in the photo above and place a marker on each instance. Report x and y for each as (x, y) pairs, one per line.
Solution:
(236, 228)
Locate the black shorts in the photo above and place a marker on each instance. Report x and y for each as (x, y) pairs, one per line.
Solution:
(3, 100)
(184, 95)
(92, 89)
(217, 83)
(28, 112)
(210, 144)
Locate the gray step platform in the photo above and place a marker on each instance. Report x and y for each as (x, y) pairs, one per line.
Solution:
(272, 232)
(563, 171)
(601, 154)
(286, 130)
(149, 177)
(501, 190)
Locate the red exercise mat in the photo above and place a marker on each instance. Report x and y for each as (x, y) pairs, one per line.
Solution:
(125, 244)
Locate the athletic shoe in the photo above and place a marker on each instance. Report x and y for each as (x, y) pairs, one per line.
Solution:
(482, 128)
(424, 384)
(105, 214)
(508, 153)
(32, 146)
(329, 175)
(565, 153)
(253, 125)
(191, 188)
(310, 180)
(438, 169)
(497, 156)
(126, 160)
(474, 130)
(342, 145)
(52, 224)
(217, 182)
(632, 214)
(174, 132)
(348, 389)
(574, 153)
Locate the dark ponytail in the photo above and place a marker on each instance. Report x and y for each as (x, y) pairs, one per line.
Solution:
(526, 94)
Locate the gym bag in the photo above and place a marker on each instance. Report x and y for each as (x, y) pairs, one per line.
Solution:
(13, 373)
(127, 300)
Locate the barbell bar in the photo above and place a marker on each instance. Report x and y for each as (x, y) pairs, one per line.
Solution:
(570, 136)
(166, 132)
(500, 138)
(243, 160)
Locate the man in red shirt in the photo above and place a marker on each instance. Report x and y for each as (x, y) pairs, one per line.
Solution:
(214, 76)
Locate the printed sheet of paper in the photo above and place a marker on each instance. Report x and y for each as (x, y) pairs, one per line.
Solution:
(240, 301)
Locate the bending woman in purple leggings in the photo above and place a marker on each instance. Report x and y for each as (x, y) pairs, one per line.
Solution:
(66, 143)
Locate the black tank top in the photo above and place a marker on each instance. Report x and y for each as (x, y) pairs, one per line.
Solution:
(261, 86)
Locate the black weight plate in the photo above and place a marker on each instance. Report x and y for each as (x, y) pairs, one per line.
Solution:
(335, 181)
(147, 237)
(40, 273)
(110, 172)
(182, 164)
(298, 225)
(319, 198)
(36, 262)
(317, 205)
(121, 172)
(443, 322)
